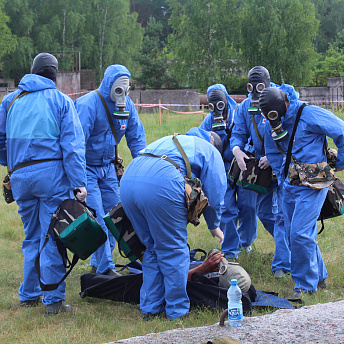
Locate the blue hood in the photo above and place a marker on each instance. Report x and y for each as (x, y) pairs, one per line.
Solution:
(111, 74)
(293, 97)
(232, 105)
(196, 131)
(34, 82)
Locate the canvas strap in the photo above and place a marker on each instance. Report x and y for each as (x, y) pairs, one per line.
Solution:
(164, 157)
(182, 152)
(260, 138)
(110, 122)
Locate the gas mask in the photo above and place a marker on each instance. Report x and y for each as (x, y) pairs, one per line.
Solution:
(119, 90)
(272, 105)
(258, 80)
(218, 104)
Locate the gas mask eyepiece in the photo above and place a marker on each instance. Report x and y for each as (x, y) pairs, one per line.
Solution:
(218, 104)
(259, 87)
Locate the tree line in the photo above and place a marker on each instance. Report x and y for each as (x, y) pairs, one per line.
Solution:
(179, 43)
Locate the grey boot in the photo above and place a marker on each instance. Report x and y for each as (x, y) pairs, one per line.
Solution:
(57, 307)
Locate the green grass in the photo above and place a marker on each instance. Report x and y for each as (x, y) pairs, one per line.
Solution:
(99, 321)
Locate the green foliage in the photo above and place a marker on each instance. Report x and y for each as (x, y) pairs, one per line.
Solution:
(200, 46)
(278, 35)
(105, 32)
(331, 17)
(330, 65)
(8, 41)
(154, 69)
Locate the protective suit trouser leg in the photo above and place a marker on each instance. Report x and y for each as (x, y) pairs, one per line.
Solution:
(102, 258)
(109, 189)
(38, 193)
(265, 210)
(247, 216)
(158, 213)
(30, 288)
(307, 266)
(281, 260)
(231, 243)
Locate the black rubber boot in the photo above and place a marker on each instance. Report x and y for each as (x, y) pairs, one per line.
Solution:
(30, 303)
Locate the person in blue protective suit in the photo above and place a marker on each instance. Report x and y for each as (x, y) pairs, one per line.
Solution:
(153, 197)
(102, 182)
(250, 125)
(240, 204)
(301, 204)
(41, 129)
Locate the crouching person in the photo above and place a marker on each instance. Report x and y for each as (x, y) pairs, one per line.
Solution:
(153, 197)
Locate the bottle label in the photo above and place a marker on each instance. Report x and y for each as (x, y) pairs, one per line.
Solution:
(235, 314)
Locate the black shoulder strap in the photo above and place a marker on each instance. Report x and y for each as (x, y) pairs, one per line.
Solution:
(290, 146)
(53, 286)
(110, 121)
(229, 134)
(182, 152)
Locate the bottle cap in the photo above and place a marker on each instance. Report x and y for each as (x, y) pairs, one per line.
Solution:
(234, 281)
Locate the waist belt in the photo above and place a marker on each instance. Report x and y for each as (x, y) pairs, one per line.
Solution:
(32, 162)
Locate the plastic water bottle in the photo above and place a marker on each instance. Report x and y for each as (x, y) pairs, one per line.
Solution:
(235, 314)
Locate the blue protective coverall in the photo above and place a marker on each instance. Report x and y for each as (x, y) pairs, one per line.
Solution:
(269, 211)
(102, 183)
(240, 204)
(302, 204)
(41, 125)
(153, 197)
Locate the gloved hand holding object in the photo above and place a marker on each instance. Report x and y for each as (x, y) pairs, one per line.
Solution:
(263, 163)
(217, 232)
(81, 193)
(240, 156)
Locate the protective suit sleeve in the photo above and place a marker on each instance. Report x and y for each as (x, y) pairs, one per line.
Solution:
(87, 113)
(135, 133)
(3, 115)
(324, 122)
(3, 155)
(240, 133)
(208, 165)
(72, 143)
(207, 123)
